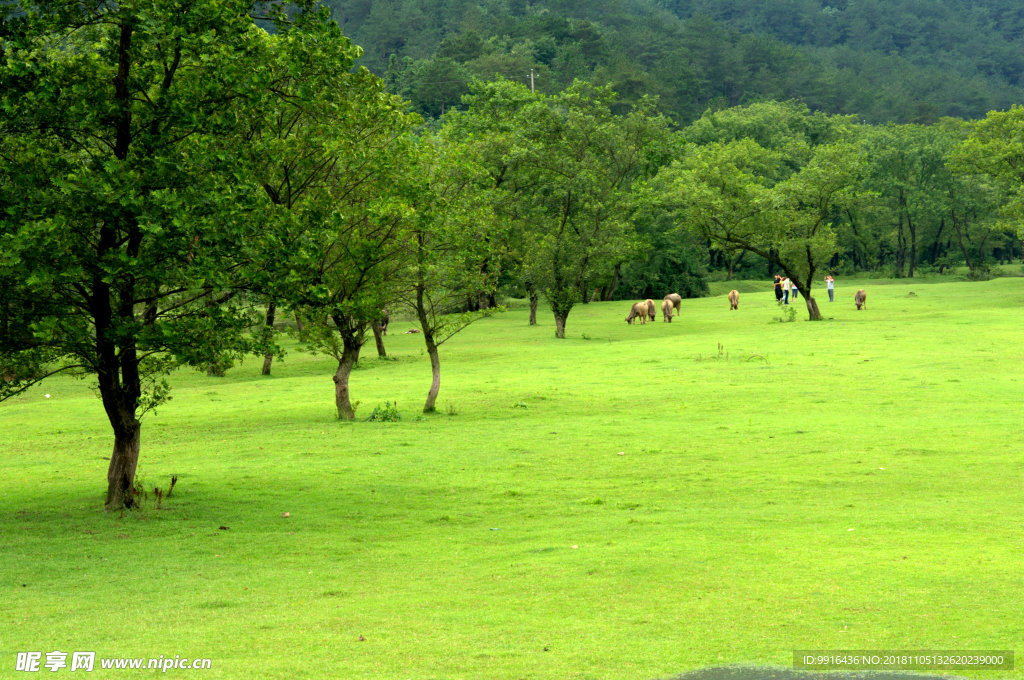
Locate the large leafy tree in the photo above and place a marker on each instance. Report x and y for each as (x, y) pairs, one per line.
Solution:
(126, 220)
(344, 253)
(995, 149)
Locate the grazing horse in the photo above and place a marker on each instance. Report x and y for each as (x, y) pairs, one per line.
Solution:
(677, 301)
(734, 299)
(861, 299)
(666, 310)
(639, 311)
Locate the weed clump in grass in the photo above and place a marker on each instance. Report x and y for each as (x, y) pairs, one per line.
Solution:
(788, 315)
(721, 356)
(388, 413)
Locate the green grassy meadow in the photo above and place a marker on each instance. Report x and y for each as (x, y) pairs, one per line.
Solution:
(631, 502)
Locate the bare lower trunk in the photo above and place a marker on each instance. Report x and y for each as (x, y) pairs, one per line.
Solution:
(534, 301)
(123, 461)
(960, 239)
(435, 368)
(268, 358)
(560, 325)
(428, 340)
(378, 337)
(812, 308)
(913, 247)
(609, 292)
(901, 247)
(349, 357)
(734, 262)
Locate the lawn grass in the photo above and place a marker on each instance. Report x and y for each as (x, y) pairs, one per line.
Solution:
(631, 502)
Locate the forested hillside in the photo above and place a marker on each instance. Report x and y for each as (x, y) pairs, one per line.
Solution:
(899, 60)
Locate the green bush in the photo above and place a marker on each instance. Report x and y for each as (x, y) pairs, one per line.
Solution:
(388, 413)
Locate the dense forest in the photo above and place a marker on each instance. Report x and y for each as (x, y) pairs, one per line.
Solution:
(899, 60)
(907, 72)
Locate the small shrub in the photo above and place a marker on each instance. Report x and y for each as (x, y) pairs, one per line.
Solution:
(520, 404)
(788, 314)
(388, 413)
(451, 409)
(981, 272)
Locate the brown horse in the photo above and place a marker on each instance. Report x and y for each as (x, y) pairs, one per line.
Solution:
(677, 301)
(861, 299)
(734, 299)
(666, 310)
(639, 311)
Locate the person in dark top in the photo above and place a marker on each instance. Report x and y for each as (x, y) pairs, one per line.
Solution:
(778, 288)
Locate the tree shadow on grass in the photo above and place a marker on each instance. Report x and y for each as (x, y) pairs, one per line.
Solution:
(771, 673)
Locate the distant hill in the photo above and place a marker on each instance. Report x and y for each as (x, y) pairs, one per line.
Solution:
(891, 60)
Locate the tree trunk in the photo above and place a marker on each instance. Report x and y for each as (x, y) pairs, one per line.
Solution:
(123, 461)
(531, 290)
(428, 340)
(901, 247)
(733, 263)
(609, 293)
(812, 308)
(858, 258)
(378, 337)
(435, 369)
(960, 238)
(560, 325)
(349, 357)
(913, 247)
(268, 358)
(938, 237)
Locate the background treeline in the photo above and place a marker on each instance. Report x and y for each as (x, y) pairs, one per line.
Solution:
(898, 60)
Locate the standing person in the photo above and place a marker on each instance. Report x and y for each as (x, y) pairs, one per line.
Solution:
(778, 288)
(831, 283)
(785, 291)
(795, 290)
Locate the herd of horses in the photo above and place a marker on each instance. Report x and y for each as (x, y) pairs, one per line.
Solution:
(670, 306)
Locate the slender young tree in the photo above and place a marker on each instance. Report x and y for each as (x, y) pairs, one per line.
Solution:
(447, 248)
(291, 142)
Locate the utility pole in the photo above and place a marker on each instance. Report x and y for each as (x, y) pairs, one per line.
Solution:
(531, 81)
